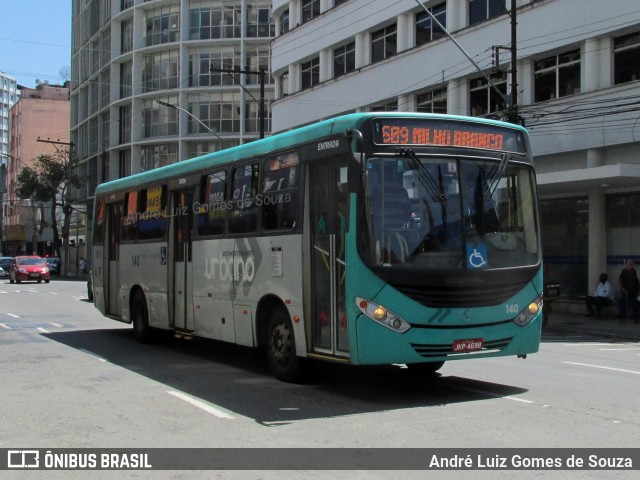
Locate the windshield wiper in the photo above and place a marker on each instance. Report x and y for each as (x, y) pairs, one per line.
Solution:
(492, 184)
(436, 189)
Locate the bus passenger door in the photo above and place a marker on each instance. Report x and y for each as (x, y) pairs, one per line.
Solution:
(111, 278)
(181, 252)
(328, 204)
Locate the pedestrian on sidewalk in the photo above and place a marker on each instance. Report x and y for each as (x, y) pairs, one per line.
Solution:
(629, 287)
(604, 296)
(82, 267)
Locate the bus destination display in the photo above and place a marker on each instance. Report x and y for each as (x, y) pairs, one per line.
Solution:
(447, 134)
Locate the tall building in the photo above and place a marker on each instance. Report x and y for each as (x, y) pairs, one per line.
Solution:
(41, 113)
(578, 84)
(8, 97)
(148, 88)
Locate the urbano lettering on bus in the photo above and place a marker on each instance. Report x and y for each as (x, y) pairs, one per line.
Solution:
(230, 266)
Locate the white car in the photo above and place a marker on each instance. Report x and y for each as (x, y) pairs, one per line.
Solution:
(3, 273)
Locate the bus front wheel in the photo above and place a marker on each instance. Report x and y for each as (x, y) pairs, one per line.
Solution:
(140, 318)
(281, 347)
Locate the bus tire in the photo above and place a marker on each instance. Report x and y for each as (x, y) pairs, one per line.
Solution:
(428, 368)
(281, 347)
(140, 318)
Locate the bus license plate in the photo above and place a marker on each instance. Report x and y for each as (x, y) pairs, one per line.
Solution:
(467, 345)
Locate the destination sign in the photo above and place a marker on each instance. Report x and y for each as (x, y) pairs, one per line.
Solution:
(408, 131)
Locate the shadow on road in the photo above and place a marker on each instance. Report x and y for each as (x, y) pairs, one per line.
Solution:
(238, 379)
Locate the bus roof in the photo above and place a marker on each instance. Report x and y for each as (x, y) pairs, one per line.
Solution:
(274, 143)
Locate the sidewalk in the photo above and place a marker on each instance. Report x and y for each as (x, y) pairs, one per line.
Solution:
(606, 325)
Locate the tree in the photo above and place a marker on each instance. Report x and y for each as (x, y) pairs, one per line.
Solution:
(50, 180)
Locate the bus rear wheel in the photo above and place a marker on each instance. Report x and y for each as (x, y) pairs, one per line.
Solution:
(281, 347)
(140, 318)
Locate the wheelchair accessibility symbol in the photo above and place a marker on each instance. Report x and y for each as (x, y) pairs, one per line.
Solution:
(476, 256)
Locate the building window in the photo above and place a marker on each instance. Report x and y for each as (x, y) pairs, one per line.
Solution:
(344, 59)
(311, 73)
(339, 2)
(384, 43)
(426, 29)
(160, 71)
(259, 22)
(252, 114)
(196, 149)
(219, 111)
(162, 26)
(218, 20)
(627, 58)
(483, 10)
(126, 78)
(557, 76)
(158, 120)
(257, 58)
(156, 156)
(202, 62)
(483, 97)
(126, 36)
(310, 10)
(434, 101)
(124, 163)
(384, 107)
(284, 22)
(125, 124)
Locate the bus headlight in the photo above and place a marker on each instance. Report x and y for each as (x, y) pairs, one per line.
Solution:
(526, 315)
(382, 315)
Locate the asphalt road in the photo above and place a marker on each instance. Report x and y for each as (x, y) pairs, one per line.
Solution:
(72, 378)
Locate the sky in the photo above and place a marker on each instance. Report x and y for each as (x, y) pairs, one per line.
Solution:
(35, 40)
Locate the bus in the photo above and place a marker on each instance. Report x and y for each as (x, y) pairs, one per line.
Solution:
(369, 238)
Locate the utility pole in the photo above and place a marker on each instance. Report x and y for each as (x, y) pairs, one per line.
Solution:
(262, 74)
(513, 110)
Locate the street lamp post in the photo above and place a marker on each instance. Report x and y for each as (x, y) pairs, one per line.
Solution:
(175, 107)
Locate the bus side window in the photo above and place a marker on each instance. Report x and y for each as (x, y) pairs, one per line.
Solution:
(243, 217)
(279, 187)
(213, 204)
(152, 217)
(130, 219)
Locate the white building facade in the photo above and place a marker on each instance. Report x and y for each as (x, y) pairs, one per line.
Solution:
(8, 98)
(578, 88)
(128, 56)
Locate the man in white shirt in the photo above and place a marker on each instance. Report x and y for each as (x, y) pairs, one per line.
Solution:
(604, 296)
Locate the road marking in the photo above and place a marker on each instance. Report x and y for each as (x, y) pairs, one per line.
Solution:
(13, 315)
(59, 325)
(206, 406)
(3, 325)
(603, 368)
(43, 330)
(52, 293)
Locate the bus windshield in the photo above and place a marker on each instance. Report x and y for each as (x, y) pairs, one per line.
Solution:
(450, 213)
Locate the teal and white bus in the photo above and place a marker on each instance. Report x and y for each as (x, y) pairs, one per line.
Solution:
(370, 238)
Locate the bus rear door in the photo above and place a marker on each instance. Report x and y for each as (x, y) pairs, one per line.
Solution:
(181, 282)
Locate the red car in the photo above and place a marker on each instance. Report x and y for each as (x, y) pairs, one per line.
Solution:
(29, 268)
